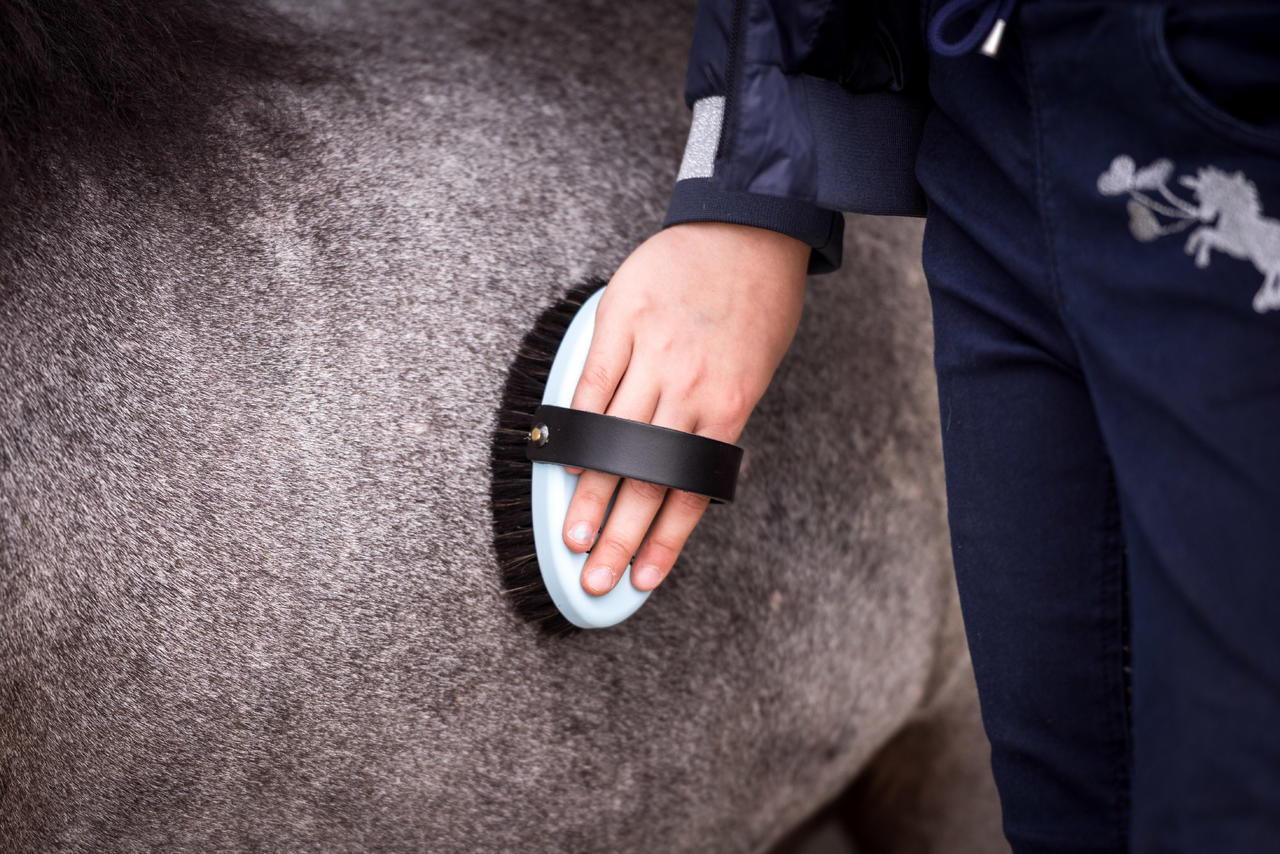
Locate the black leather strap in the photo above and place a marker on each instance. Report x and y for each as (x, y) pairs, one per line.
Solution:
(589, 440)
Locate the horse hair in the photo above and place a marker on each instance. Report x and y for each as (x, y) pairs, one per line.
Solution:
(89, 86)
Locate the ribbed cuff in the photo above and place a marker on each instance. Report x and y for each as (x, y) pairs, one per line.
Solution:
(695, 200)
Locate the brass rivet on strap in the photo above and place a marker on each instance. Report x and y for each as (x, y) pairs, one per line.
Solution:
(539, 435)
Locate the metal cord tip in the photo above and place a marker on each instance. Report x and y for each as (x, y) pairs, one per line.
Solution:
(991, 46)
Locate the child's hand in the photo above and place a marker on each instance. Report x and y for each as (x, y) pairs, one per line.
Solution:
(688, 335)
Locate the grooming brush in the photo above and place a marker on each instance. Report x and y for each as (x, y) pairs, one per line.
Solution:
(538, 435)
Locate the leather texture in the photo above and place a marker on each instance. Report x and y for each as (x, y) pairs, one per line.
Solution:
(637, 450)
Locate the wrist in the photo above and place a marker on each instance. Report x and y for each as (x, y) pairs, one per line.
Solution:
(761, 250)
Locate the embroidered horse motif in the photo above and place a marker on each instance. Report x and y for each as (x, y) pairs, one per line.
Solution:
(1226, 203)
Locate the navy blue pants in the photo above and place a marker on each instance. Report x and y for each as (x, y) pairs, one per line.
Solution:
(1103, 256)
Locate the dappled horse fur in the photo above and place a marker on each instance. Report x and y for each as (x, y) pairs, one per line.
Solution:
(95, 88)
(263, 274)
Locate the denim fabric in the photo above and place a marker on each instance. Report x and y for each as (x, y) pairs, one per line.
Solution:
(1104, 215)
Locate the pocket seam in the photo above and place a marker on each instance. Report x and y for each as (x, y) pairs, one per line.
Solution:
(1186, 96)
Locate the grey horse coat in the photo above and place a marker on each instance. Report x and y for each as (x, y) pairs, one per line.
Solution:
(248, 593)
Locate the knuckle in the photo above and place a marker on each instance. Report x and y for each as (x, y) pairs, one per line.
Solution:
(596, 376)
(737, 403)
(690, 503)
(595, 486)
(646, 490)
(692, 378)
(663, 548)
(588, 502)
(616, 546)
(730, 421)
(725, 427)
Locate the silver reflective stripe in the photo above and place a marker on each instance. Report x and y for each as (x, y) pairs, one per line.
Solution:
(704, 138)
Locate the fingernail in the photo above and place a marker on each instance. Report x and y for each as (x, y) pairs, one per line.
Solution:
(646, 577)
(581, 532)
(599, 579)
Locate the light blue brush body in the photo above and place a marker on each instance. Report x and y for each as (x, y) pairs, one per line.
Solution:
(552, 487)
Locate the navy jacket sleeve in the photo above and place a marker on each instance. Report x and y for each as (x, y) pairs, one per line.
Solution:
(802, 109)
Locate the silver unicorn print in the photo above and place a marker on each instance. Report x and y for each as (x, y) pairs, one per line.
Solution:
(1226, 204)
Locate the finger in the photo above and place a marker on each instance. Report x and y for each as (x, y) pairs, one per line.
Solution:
(591, 494)
(586, 509)
(606, 363)
(602, 372)
(679, 515)
(634, 509)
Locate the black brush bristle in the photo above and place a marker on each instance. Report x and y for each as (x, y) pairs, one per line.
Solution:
(511, 471)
